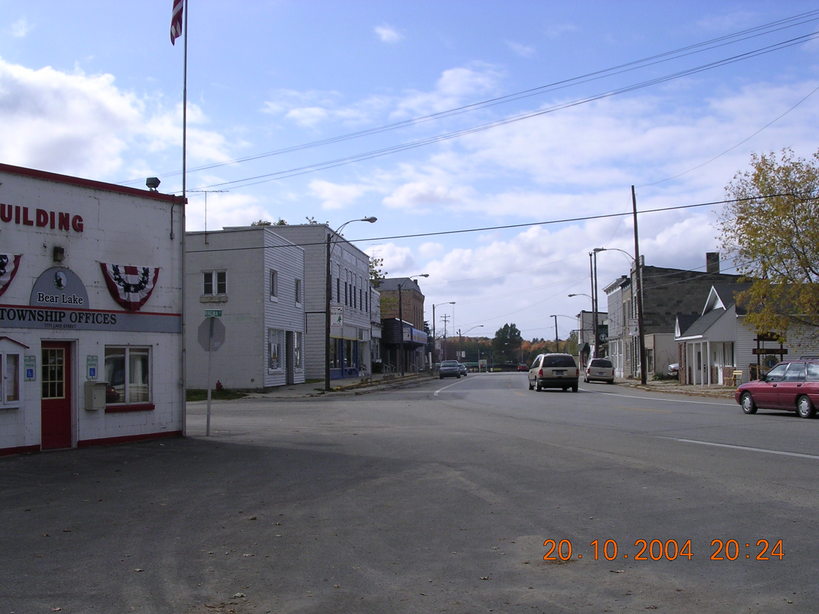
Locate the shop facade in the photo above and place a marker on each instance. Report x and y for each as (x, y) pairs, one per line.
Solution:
(91, 299)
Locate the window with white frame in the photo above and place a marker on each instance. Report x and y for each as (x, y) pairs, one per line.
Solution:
(214, 282)
(275, 349)
(9, 379)
(128, 373)
(298, 292)
(274, 285)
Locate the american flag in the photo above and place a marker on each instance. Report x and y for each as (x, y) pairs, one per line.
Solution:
(130, 286)
(9, 263)
(176, 20)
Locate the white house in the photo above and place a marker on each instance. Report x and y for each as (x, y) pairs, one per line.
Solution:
(245, 304)
(719, 343)
(90, 312)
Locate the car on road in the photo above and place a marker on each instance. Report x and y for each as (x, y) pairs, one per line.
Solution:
(554, 371)
(449, 368)
(464, 370)
(791, 385)
(600, 370)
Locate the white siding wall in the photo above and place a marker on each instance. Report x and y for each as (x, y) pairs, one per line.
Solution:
(247, 255)
(283, 313)
(313, 237)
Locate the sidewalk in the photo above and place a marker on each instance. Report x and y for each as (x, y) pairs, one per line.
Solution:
(377, 381)
(672, 386)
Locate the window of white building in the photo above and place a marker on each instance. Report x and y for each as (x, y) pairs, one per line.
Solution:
(214, 282)
(274, 285)
(297, 350)
(275, 349)
(9, 379)
(127, 371)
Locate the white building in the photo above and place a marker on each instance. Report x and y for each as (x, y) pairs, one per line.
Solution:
(251, 280)
(719, 343)
(350, 301)
(90, 312)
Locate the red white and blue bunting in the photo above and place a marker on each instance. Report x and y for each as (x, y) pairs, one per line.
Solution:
(9, 263)
(130, 286)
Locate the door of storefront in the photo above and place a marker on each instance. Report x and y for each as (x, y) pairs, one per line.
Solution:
(55, 404)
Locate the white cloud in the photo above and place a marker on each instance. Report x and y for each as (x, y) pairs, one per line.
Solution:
(398, 259)
(388, 34)
(424, 196)
(430, 250)
(454, 87)
(336, 195)
(85, 125)
(20, 28)
(307, 116)
(223, 210)
(524, 51)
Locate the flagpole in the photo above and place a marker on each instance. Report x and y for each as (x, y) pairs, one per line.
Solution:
(185, 102)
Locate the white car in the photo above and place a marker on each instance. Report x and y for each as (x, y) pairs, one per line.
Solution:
(600, 370)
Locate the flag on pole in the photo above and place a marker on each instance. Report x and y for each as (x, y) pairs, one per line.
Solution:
(176, 20)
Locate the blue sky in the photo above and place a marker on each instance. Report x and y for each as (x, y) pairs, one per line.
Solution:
(293, 106)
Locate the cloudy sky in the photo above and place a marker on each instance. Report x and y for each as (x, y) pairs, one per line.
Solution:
(495, 140)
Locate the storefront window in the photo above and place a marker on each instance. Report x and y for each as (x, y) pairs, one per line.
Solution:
(127, 371)
(297, 351)
(9, 378)
(275, 347)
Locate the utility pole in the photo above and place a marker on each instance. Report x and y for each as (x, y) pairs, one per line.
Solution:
(445, 318)
(639, 284)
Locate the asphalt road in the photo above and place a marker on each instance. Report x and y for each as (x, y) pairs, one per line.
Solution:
(435, 498)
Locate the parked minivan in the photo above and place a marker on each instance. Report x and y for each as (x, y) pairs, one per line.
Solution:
(554, 371)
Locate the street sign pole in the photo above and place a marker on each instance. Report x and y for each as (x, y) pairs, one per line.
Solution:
(210, 383)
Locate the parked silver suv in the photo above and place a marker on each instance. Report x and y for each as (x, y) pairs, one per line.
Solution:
(554, 371)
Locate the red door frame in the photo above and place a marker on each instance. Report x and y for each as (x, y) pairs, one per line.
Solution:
(55, 427)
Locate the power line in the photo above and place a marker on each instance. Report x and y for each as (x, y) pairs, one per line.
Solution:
(742, 35)
(312, 168)
(743, 141)
(524, 224)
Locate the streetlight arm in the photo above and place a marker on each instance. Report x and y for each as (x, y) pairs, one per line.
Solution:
(328, 288)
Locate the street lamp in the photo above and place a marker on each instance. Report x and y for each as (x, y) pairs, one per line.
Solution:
(593, 266)
(328, 290)
(557, 340)
(401, 320)
(461, 335)
(433, 324)
(638, 300)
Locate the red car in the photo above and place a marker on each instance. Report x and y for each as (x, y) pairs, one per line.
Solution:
(792, 385)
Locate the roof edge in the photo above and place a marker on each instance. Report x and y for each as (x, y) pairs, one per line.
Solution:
(92, 184)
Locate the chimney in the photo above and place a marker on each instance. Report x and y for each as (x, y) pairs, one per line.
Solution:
(712, 262)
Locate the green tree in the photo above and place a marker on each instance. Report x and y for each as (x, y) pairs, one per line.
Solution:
(506, 344)
(377, 275)
(772, 231)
